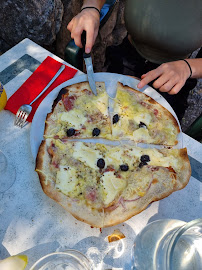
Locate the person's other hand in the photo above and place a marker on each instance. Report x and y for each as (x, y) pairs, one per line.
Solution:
(88, 20)
(169, 77)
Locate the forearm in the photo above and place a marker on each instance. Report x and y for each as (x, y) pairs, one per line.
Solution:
(196, 66)
(93, 3)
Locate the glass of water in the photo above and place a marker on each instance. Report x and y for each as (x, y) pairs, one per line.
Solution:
(7, 173)
(169, 245)
(67, 260)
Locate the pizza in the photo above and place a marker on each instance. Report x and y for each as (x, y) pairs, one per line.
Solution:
(104, 185)
(140, 118)
(105, 182)
(78, 113)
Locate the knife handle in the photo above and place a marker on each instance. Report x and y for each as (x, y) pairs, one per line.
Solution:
(83, 41)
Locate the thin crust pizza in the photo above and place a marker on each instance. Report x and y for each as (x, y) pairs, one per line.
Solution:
(104, 185)
(140, 118)
(78, 113)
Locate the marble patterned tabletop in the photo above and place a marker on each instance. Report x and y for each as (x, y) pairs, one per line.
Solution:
(33, 224)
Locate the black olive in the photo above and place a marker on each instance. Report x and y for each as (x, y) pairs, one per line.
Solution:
(142, 125)
(101, 163)
(124, 167)
(96, 131)
(145, 158)
(115, 118)
(70, 132)
(142, 163)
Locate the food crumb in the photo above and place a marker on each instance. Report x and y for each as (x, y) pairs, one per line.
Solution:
(115, 236)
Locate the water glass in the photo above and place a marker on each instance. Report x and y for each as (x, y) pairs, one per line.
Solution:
(169, 245)
(67, 260)
(7, 173)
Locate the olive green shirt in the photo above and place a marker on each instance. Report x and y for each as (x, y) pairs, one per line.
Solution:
(164, 30)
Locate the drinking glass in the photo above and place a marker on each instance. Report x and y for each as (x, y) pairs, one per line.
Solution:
(169, 245)
(7, 173)
(67, 260)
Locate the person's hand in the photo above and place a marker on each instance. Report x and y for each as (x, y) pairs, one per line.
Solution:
(169, 77)
(88, 20)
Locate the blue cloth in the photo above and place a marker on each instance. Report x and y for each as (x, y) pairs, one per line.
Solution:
(105, 8)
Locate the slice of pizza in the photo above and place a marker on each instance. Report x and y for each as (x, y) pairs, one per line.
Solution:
(140, 118)
(104, 185)
(78, 113)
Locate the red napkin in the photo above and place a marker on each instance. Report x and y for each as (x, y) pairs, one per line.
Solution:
(36, 83)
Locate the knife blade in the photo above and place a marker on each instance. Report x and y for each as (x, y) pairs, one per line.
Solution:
(90, 73)
(89, 65)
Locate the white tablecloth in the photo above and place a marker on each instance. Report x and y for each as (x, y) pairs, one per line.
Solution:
(33, 224)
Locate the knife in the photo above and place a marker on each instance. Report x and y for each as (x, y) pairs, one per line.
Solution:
(89, 65)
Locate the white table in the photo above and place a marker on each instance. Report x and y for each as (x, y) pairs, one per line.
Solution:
(33, 224)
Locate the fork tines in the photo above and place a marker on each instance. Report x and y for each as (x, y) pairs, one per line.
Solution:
(20, 119)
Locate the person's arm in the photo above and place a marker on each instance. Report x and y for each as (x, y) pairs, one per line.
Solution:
(170, 77)
(88, 20)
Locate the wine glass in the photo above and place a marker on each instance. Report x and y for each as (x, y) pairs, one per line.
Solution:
(7, 173)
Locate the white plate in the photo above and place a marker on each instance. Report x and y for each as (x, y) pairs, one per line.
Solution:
(110, 79)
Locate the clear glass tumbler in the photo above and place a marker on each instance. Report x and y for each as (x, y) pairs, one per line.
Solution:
(67, 260)
(7, 173)
(169, 245)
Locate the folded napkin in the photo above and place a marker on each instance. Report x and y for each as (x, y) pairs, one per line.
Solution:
(36, 83)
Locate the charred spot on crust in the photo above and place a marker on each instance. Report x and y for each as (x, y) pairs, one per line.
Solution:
(152, 101)
(62, 92)
(183, 154)
(155, 181)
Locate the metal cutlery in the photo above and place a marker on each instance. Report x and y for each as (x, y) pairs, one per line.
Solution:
(24, 110)
(89, 65)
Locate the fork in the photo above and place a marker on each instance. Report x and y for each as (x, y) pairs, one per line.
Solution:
(24, 110)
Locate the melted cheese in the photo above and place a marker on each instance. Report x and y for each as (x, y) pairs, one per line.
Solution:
(86, 155)
(74, 118)
(120, 128)
(93, 103)
(111, 186)
(142, 134)
(102, 103)
(157, 159)
(143, 117)
(115, 156)
(61, 133)
(138, 188)
(59, 144)
(66, 180)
